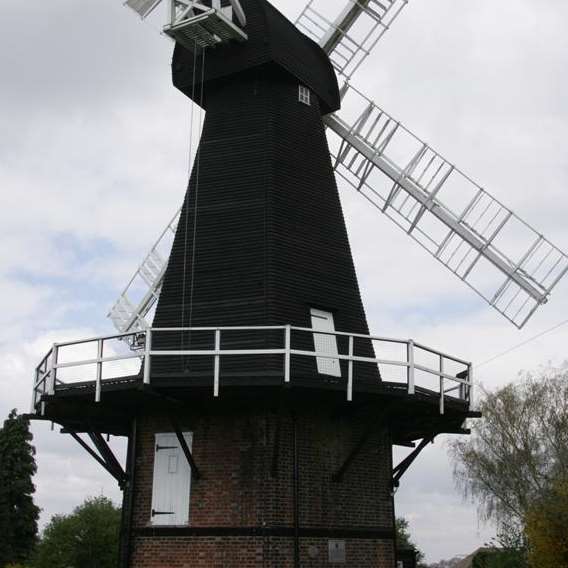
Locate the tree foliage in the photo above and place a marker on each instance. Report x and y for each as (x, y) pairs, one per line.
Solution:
(450, 563)
(499, 558)
(404, 540)
(547, 529)
(87, 538)
(18, 513)
(519, 447)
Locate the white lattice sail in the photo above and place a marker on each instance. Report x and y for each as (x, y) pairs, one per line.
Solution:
(130, 311)
(348, 32)
(142, 7)
(463, 226)
(500, 256)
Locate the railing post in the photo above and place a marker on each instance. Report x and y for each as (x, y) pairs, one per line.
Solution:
(410, 368)
(442, 387)
(287, 346)
(217, 362)
(100, 344)
(34, 393)
(470, 385)
(147, 352)
(53, 370)
(350, 370)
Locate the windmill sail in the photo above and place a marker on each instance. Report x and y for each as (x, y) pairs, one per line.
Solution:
(142, 292)
(348, 33)
(142, 7)
(463, 226)
(512, 266)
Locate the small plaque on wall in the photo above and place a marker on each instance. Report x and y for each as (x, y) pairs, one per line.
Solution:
(336, 552)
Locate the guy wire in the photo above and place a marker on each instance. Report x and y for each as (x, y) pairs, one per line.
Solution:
(198, 166)
(186, 205)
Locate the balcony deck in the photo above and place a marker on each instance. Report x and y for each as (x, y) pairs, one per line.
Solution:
(104, 380)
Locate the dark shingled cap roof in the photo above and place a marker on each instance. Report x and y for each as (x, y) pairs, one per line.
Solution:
(272, 40)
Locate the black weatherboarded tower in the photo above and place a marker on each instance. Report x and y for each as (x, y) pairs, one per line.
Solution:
(261, 238)
(259, 429)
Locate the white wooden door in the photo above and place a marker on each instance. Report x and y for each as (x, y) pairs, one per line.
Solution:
(171, 485)
(325, 343)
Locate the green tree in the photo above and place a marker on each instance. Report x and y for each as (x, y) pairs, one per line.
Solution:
(517, 450)
(547, 529)
(18, 513)
(500, 558)
(87, 538)
(404, 540)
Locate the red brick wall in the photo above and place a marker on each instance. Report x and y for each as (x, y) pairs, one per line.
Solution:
(271, 552)
(234, 453)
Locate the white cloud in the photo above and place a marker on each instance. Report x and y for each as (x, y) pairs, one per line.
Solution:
(66, 475)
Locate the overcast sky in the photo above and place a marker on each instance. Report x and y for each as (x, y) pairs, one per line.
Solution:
(93, 163)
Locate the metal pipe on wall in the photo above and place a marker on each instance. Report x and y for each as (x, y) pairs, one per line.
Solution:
(296, 483)
(128, 500)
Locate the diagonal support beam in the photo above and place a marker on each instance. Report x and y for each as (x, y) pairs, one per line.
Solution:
(339, 474)
(108, 456)
(119, 478)
(187, 452)
(403, 466)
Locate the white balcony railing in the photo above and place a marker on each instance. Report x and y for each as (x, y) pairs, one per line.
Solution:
(413, 366)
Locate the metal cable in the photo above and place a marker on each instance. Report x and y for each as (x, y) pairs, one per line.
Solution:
(189, 167)
(198, 166)
(530, 340)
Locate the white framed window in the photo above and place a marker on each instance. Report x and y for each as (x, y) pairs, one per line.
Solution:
(304, 95)
(171, 484)
(324, 343)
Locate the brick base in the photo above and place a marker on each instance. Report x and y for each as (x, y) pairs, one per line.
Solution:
(247, 488)
(269, 552)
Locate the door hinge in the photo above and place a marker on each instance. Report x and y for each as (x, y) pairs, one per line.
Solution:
(157, 513)
(158, 447)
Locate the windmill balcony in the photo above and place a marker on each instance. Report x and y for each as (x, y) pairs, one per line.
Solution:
(196, 25)
(405, 366)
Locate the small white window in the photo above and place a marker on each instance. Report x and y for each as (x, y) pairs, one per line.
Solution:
(324, 343)
(304, 95)
(171, 485)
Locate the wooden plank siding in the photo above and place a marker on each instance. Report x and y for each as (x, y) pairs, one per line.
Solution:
(270, 237)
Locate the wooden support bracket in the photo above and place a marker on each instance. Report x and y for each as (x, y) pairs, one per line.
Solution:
(403, 466)
(381, 421)
(109, 457)
(338, 475)
(118, 475)
(187, 452)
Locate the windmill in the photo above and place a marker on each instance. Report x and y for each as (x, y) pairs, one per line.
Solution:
(512, 266)
(260, 412)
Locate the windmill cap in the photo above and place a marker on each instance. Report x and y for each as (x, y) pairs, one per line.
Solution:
(272, 40)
